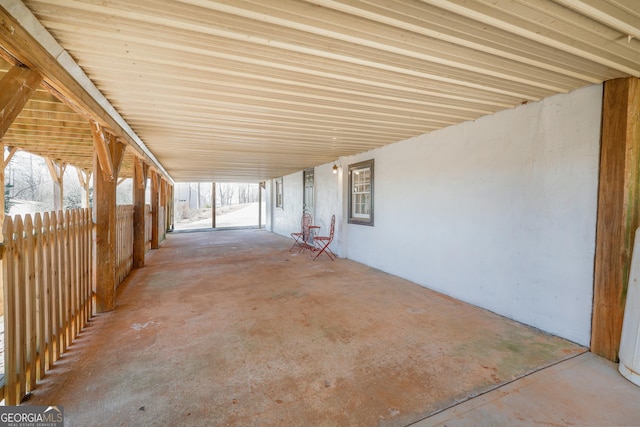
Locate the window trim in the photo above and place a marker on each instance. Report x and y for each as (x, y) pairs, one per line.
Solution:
(353, 167)
(278, 183)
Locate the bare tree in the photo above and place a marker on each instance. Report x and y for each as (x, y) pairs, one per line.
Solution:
(226, 192)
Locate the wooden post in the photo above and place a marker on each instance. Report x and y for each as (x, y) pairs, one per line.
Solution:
(57, 175)
(104, 218)
(155, 208)
(618, 212)
(162, 221)
(84, 177)
(213, 205)
(139, 189)
(172, 207)
(260, 205)
(2, 200)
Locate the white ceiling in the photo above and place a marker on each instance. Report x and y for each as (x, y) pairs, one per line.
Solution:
(250, 90)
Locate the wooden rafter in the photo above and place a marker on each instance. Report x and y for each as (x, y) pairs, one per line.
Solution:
(141, 173)
(102, 151)
(56, 169)
(84, 176)
(12, 151)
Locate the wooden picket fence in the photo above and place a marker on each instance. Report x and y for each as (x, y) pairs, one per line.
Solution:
(124, 242)
(47, 272)
(48, 279)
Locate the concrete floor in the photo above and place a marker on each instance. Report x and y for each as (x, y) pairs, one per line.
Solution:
(229, 328)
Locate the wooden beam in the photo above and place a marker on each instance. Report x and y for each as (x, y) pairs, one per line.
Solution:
(57, 175)
(84, 177)
(16, 87)
(12, 152)
(140, 179)
(2, 201)
(104, 219)
(102, 151)
(139, 189)
(618, 212)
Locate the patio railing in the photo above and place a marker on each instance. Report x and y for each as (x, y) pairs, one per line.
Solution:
(47, 275)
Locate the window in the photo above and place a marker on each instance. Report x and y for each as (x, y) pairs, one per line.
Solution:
(279, 193)
(361, 193)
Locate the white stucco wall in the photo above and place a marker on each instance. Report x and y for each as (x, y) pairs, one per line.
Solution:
(328, 202)
(499, 212)
(287, 219)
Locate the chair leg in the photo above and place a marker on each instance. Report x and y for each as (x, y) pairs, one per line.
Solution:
(325, 249)
(296, 242)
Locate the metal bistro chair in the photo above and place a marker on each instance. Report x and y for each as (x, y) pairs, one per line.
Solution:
(300, 238)
(322, 242)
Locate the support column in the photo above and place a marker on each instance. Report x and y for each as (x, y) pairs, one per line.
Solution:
(155, 208)
(618, 212)
(213, 205)
(260, 205)
(84, 176)
(106, 165)
(139, 189)
(163, 210)
(172, 207)
(57, 175)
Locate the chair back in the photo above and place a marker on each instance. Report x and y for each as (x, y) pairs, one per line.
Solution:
(306, 222)
(333, 227)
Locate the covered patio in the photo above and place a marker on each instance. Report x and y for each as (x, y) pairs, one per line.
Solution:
(497, 142)
(230, 328)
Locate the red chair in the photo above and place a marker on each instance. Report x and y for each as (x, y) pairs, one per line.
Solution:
(322, 242)
(300, 238)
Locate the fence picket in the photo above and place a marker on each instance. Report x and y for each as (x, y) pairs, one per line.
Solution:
(30, 303)
(20, 308)
(48, 292)
(10, 315)
(40, 297)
